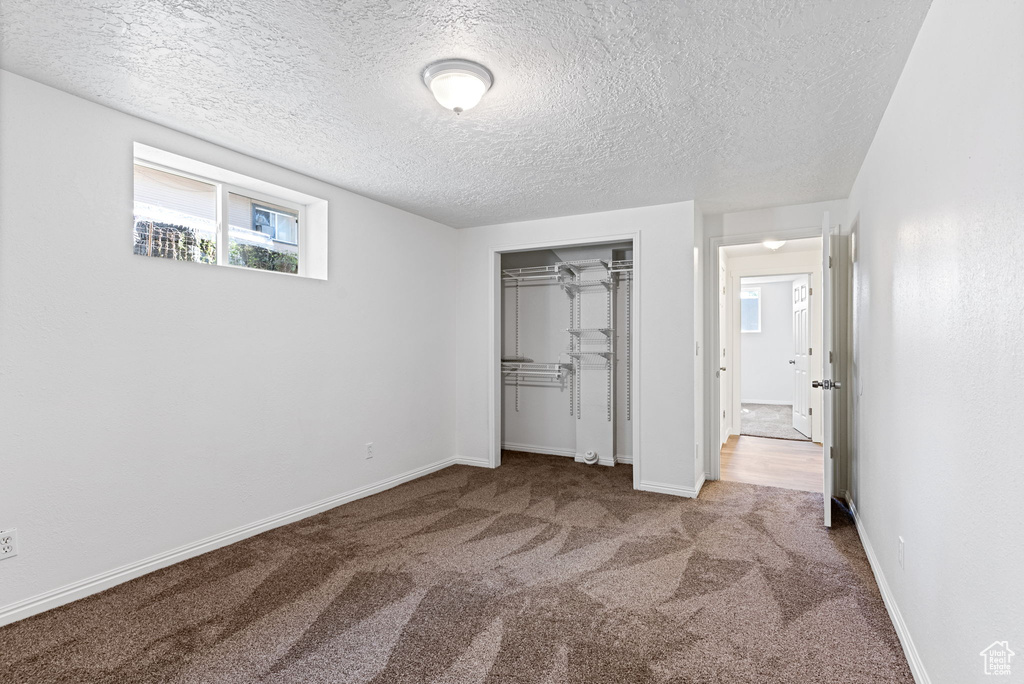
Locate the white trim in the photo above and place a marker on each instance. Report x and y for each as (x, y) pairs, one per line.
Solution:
(555, 451)
(601, 460)
(909, 649)
(494, 337)
(624, 458)
(534, 449)
(769, 402)
(475, 462)
(675, 490)
(104, 580)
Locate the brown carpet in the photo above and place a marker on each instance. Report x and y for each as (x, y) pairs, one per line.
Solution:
(543, 571)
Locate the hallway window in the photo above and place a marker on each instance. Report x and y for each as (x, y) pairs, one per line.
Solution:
(750, 310)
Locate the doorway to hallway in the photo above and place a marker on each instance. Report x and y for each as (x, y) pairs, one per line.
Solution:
(771, 339)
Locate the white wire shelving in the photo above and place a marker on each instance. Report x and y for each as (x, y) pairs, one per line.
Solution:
(572, 277)
(518, 369)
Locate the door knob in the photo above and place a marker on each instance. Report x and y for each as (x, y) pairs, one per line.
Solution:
(722, 368)
(826, 384)
(792, 362)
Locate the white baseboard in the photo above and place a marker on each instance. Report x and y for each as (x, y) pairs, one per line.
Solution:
(770, 402)
(535, 449)
(624, 458)
(675, 490)
(909, 649)
(475, 462)
(76, 590)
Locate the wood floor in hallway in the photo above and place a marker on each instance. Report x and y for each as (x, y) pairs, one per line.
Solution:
(773, 462)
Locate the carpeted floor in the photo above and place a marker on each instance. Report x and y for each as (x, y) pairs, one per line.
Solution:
(543, 570)
(769, 420)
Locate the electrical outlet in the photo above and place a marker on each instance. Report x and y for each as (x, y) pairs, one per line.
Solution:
(8, 543)
(901, 553)
(369, 450)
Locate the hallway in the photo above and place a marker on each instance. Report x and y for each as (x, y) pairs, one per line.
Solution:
(786, 463)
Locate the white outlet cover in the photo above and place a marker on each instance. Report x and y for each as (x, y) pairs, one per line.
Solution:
(8, 543)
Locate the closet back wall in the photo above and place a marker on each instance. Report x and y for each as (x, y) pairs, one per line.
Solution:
(542, 423)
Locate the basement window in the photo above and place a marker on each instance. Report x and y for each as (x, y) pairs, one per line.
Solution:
(750, 310)
(191, 211)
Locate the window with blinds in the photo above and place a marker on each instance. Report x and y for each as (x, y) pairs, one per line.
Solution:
(175, 216)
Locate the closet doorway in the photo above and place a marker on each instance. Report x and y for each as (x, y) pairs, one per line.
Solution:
(565, 324)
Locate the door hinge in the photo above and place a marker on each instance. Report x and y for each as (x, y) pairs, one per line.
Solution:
(830, 262)
(810, 351)
(830, 357)
(810, 291)
(810, 411)
(831, 452)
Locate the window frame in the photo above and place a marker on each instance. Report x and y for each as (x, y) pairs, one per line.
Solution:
(267, 206)
(223, 190)
(750, 288)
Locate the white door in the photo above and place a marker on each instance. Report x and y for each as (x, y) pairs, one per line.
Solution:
(724, 395)
(801, 350)
(826, 384)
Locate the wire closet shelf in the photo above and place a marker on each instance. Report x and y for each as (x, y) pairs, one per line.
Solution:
(570, 276)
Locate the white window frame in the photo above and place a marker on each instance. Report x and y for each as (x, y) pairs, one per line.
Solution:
(758, 298)
(227, 182)
(269, 207)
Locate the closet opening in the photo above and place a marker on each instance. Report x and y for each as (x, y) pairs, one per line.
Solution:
(567, 346)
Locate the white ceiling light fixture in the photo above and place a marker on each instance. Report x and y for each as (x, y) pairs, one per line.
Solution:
(773, 245)
(457, 84)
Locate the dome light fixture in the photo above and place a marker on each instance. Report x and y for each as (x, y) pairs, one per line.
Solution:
(457, 84)
(773, 245)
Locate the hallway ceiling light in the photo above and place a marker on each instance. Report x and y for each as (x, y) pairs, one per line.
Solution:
(773, 245)
(457, 84)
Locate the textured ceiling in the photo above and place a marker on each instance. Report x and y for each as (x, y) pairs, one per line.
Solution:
(758, 249)
(596, 104)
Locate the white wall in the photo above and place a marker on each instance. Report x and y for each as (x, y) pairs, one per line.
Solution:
(939, 332)
(666, 330)
(779, 220)
(112, 449)
(767, 373)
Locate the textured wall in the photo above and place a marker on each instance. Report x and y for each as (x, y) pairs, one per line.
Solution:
(595, 105)
(938, 362)
(139, 411)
